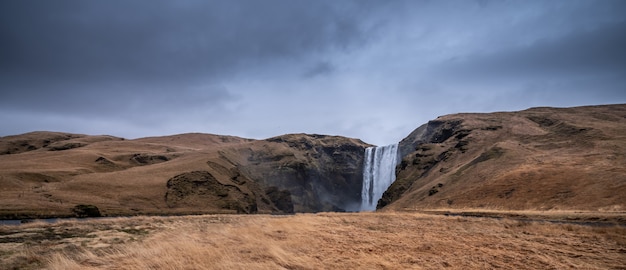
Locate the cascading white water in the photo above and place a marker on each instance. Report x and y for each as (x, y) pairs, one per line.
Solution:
(379, 172)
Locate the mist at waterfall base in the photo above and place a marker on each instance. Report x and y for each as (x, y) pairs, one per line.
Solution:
(379, 172)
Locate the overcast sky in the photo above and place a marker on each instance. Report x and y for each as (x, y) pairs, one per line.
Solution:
(373, 70)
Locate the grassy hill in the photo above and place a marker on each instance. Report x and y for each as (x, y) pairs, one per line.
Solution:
(537, 159)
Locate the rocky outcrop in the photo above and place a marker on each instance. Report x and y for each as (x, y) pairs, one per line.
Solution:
(322, 173)
(435, 131)
(422, 150)
(199, 189)
(65, 146)
(83, 211)
(285, 174)
(146, 159)
(281, 199)
(51, 141)
(33, 141)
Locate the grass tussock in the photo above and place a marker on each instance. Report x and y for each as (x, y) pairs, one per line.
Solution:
(313, 241)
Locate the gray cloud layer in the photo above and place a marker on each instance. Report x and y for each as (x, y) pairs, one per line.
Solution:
(373, 70)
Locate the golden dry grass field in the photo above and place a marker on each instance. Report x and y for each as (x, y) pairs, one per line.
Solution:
(390, 240)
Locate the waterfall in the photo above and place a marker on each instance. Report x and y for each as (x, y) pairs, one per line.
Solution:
(379, 171)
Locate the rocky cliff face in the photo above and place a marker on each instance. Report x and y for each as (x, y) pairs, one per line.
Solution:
(296, 172)
(541, 158)
(322, 173)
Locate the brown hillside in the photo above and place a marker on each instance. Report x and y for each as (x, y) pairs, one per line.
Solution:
(48, 174)
(537, 159)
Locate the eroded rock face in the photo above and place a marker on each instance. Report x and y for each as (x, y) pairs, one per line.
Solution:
(280, 198)
(322, 173)
(422, 150)
(200, 188)
(83, 211)
(435, 131)
(145, 159)
(51, 141)
(36, 140)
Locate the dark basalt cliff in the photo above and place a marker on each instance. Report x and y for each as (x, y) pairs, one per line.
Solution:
(295, 172)
(541, 158)
(322, 173)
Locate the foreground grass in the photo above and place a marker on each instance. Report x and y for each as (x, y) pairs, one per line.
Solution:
(312, 241)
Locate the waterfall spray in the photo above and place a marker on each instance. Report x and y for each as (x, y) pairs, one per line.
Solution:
(379, 172)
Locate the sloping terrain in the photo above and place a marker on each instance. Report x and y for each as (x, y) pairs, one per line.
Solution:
(537, 159)
(48, 174)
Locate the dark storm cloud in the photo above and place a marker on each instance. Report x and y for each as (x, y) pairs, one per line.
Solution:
(368, 69)
(586, 52)
(177, 39)
(132, 58)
